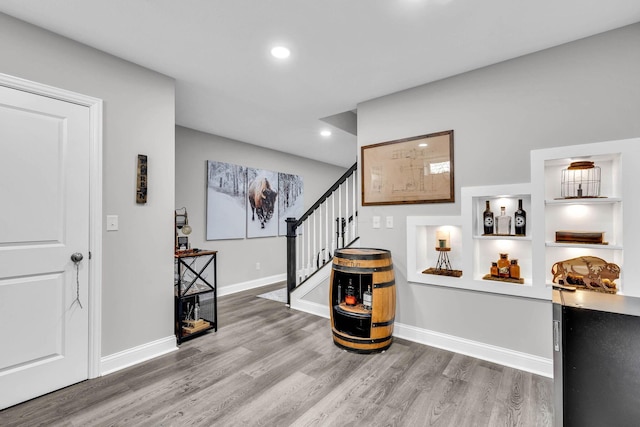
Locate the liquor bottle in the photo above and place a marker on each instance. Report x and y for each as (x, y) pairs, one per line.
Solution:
(520, 219)
(514, 269)
(366, 299)
(494, 269)
(350, 296)
(487, 217)
(339, 292)
(196, 312)
(503, 266)
(503, 223)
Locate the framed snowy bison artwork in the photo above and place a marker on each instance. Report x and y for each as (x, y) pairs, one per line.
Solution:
(290, 202)
(226, 201)
(262, 203)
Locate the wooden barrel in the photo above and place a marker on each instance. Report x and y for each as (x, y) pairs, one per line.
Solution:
(356, 327)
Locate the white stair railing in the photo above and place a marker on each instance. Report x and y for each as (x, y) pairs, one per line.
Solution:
(331, 223)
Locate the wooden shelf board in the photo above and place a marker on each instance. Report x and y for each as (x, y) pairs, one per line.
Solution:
(503, 279)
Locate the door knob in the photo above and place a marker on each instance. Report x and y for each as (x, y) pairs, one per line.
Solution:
(76, 257)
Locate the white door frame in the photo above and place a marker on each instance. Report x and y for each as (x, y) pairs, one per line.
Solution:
(95, 203)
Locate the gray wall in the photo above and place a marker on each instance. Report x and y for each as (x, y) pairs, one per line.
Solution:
(237, 258)
(581, 92)
(139, 118)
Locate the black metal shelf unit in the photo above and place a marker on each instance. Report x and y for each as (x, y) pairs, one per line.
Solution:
(196, 299)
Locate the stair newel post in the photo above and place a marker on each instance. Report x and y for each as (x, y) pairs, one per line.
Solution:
(292, 225)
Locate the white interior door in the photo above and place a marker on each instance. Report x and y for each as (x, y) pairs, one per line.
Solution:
(44, 219)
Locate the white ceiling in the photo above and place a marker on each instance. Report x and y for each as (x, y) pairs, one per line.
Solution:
(343, 52)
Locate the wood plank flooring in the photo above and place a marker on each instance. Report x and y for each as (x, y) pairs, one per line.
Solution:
(272, 366)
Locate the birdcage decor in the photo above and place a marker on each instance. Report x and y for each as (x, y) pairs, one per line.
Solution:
(581, 180)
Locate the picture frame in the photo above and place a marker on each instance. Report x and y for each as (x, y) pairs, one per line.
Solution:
(410, 170)
(183, 243)
(226, 200)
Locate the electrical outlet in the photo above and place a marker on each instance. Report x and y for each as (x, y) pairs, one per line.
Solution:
(376, 222)
(257, 266)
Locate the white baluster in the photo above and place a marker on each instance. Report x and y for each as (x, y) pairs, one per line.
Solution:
(315, 241)
(340, 209)
(333, 222)
(300, 255)
(309, 230)
(319, 231)
(347, 201)
(355, 206)
(326, 231)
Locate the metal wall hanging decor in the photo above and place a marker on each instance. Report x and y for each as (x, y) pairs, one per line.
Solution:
(141, 184)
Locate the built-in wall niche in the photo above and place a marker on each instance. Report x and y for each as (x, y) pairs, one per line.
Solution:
(483, 197)
(485, 246)
(470, 252)
(581, 224)
(474, 251)
(489, 244)
(601, 213)
(488, 252)
(425, 236)
(555, 201)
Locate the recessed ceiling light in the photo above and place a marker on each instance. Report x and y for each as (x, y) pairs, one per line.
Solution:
(424, 144)
(280, 52)
(325, 133)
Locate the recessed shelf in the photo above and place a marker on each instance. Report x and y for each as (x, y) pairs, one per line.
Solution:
(502, 237)
(584, 201)
(606, 214)
(583, 246)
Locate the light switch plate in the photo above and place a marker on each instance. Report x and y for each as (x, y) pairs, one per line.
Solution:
(389, 222)
(376, 222)
(112, 222)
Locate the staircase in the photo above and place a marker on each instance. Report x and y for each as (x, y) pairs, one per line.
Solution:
(330, 224)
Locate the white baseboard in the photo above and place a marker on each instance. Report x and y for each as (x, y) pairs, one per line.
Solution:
(503, 356)
(245, 286)
(135, 355)
(320, 310)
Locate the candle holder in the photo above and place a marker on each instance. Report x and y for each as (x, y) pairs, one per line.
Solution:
(443, 264)
(443, 238)
(443, 259)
